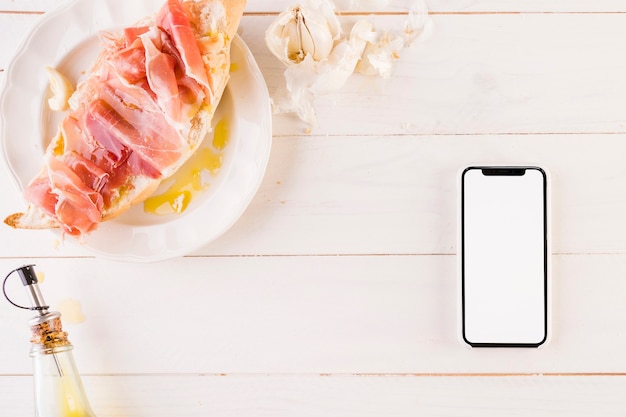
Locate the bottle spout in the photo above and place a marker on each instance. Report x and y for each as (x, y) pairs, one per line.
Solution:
(30, 281)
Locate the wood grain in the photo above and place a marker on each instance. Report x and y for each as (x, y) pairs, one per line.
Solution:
(475, 74)
(343, 396)
(397, 195)
(312, 314)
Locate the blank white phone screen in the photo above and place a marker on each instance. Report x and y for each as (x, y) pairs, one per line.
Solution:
(504, 252)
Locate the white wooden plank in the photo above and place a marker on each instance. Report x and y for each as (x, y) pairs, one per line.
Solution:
(487, 74)
(542, 66)
(396, 195)
(355, 195)
(365, 314)
(342, 396)
(477, 74)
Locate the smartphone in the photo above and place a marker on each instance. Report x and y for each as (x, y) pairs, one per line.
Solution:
(504, 256)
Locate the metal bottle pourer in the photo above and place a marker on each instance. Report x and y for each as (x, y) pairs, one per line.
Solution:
(30, 281)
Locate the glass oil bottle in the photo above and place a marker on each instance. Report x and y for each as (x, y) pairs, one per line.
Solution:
(58, 386)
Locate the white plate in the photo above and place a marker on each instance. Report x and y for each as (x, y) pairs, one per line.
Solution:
(67, 39)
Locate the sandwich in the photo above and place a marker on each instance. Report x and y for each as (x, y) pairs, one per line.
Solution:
(137, 116)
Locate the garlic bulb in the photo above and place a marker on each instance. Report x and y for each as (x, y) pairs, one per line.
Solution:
(310, 78)
(319, 60)
(303, 30)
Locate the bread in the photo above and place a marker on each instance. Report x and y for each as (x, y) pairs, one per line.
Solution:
(141, 112)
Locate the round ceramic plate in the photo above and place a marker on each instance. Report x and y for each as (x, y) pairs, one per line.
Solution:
(67, 39)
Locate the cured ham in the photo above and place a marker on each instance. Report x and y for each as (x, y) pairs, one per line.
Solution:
(175, 21)
(63, 195)
(89, 173)
(140, 113)
(161, 76)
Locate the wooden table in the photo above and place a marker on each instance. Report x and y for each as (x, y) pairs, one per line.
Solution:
(335, 293)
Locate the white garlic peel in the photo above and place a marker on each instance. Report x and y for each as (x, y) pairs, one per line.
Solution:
(300, 38)
(61, 89)
(417, 23)
(383, 49)
(296, 96)
(380, 54)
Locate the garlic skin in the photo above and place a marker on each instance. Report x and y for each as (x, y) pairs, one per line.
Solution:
(296, 95)
(380, 55)
(417, 23)
(302, 31)
(61, 89)
(384, 48)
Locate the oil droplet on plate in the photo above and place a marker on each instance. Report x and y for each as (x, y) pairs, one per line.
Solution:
(234, 67)
(220, 135)
(71, 311)
(189, 179)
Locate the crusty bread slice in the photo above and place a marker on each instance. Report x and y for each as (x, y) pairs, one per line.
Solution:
(218, 19)
(32, 218)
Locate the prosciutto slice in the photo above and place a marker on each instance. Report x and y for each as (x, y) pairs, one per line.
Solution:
(63, 195)
(129, 118)
(161, 76)
(175, 21)
(130, 62)
(88, 172)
